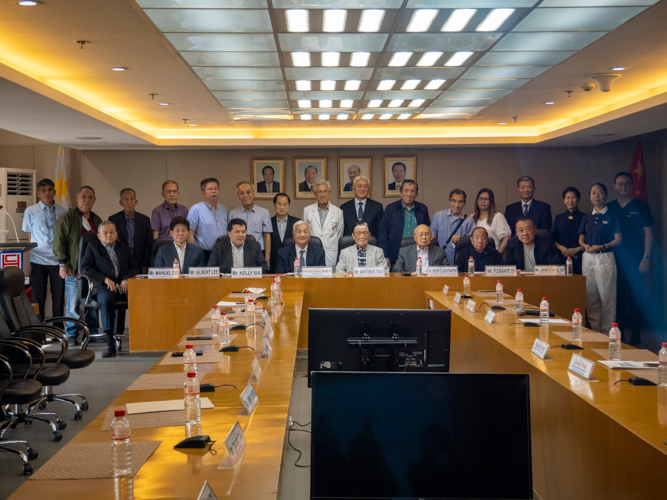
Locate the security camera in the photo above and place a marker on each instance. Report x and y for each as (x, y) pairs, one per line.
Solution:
(587, 87)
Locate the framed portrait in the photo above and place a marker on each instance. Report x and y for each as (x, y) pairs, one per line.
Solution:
(307, 171)
(396, 169)
(268, 177)
(348, 169)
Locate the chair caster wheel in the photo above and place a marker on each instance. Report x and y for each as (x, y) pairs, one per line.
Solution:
(60, 425)
(32, 454)
(27, 469)
(41, 406)
(78, 415)
(84, 406)
(57, 436)
(13, 426)
(28, 422)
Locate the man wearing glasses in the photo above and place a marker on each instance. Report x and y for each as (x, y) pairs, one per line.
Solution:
(208, 219)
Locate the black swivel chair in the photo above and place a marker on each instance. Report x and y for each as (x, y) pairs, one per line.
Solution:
(314, 240)
(406, 242)
(545, 233)
(464, 242)
(225, 237)
(160, 242)
(348, 241)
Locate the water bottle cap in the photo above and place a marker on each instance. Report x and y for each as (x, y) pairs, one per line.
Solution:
(518, 289)
(498, 281)
(189, 346)
(119, 412)
(466, 275)
(215, 306)
(614, 325)
(223, 313)
(544, 298)
(577, 310)
(247, 291)
(277, 275)
(192, 374)
(664, 345)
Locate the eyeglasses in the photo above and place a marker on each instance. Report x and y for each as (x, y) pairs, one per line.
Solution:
(483, 199)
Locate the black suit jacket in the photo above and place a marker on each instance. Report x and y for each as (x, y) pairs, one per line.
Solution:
(276, 242)
(545, 253)
(143, 236)
(539, 213)
(97, 264)
(372, 216)
(391, 227)
(221, 256)
(303, 187)
(194, 256)
(286, 255)
(493, 258)
(261, 187)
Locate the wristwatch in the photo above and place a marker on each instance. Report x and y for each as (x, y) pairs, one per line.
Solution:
(604, 247)
(62, 264)
(647, 257)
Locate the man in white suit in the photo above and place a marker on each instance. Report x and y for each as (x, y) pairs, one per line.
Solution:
(325, 220)
(362, 254)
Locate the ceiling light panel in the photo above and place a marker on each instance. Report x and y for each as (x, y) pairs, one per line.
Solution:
(458, 20)
(347, 103)
(410, 84)
(532, 58)
(547, 41)
(359, 59)
(304, 103)
(385, 116)
(473, 4)
(330, 59)
(222, 42)
(352, 85)
(303, 85)
(495, 19)
(251, 59)
(371, 20)
(419, 73)
(298, 20)
(333, 20)
(434, 84)
(346, 42)
(421, 20)
(447, 42)
(301, 59)
(374, 103)
(386, 84)
(404, 116)
(325, 103)
(328, 85)
(429, 58)
(211, 20)
(339, 4)
(215, 73)
(399, 58)
(458, 58)
(395, 103)
(579, 19)
(317, 95)
(328, 73)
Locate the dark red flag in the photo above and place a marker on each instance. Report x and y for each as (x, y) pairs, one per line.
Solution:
(638, 171)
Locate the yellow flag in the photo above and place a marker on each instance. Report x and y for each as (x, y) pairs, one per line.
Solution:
(60, 180)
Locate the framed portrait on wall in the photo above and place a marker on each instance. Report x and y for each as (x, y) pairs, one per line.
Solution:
(307, 171)
(348, 169)
(268, 176)
(395, 170)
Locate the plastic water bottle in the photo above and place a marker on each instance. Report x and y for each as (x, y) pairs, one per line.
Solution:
(121, 448)
(250, 314)
(466, 285)
(247, 298)
(569, 269)
(419, 266)
(215, 321)
(177, 269)
(192, 406)
(662, 367)
(224, 329)
(280, 288)
(190, 359)
(275, 295)
(577, 321)
(297, 268)
(471, 266)
(544, 312)
(614, 343)
(518, 298)
(499, 292)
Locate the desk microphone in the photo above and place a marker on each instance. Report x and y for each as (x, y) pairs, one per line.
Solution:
(14, 223)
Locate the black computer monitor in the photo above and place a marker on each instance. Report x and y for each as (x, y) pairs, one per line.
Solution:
(420, 435)
(387, 340)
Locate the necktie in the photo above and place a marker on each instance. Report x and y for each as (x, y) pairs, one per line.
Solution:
(130, 233)
(301, 258)
(525, 210)
(360, 214)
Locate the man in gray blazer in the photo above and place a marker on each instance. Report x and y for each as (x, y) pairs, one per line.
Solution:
(362, 254)
(431, 255)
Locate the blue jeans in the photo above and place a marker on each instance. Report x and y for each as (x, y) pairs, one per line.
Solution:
(91, 318)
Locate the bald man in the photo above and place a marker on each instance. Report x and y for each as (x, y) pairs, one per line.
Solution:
(352, 172)
(430, 254)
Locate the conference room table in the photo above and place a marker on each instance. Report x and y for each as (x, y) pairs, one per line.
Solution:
(597, 439)
(160, 309)
(171, 473)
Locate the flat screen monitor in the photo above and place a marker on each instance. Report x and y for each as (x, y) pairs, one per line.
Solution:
(420, 435)
(386, 340)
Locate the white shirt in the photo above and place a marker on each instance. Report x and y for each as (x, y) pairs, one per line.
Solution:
(237, 256)
(498, 230)
(305, 254)
(424, 255)
(181, 254)
(329, 232)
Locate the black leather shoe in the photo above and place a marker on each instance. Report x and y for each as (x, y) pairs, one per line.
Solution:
(109, 351)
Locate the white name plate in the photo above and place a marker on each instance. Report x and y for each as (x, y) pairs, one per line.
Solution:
(581, 366)
(470, 306)
(457, 298)
(235, 444)
(246, 272)
(266, 353)
(159, 273)
(549, 271)
(540, 349)
(500, 270)
(204, 272)
(445, 289)
(206, 492)
(489, 317)
(368, 271)
(249, 399)
(450, 271)
(317, 272)
(256, 371)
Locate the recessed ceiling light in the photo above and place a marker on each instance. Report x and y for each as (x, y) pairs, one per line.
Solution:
(404, 116)
(303, 85)
(297, 20)
(400, 58)
(352, 84)
(323, 117)
(458, 58)
(421, 20)
(359, 59)
(371, 20)
(304, 103)
(494, 19)
(458, 20)
(346, 103)
(374, 103)
(341, 117)
(334, 20)
(415, 103)
(325, 103)
(192, 124)
(367, 116)
(434, 84)
(385, 116)
(118, 68)
(328, 85)
(410, 84)
(165, 103)
(429, 58)
(301, 58)
(306, 117)
(330, 58)
(395, 103)
(386, 84)
(549, 102)
(618, 68)
(502, 123)
(27, 3)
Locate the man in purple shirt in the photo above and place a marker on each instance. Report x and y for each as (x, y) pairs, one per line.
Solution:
(162, 214)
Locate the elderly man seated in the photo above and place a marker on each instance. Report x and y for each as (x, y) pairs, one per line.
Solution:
(109, 263)
(237, 251)
(480, 251)
(362, 254)
(528, 249)
(308, 255)
(430, 254)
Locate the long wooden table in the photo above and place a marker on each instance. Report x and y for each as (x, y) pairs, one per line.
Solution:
(173, 473)
(159, 310)
(590, 439)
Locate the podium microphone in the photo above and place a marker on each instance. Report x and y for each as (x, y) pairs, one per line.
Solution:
(14, 223)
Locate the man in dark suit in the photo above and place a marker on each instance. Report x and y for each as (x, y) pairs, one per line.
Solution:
(538, 211)
(311, 176)
(187, 254)
(313, 255)
(268, 185)
(109, 263)
(237, 251)
(352, 172)
(398, 170)
(482, 253)
(528, 250)
(283, 224)
(369, 212)
(400, 219)
(134, 229)
(431, 255)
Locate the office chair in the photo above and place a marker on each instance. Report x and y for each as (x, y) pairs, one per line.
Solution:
(156, 246)
(406, 242)
(225, 237)
(463, 244)
(348, 241)
(314, 240)
(545, 233)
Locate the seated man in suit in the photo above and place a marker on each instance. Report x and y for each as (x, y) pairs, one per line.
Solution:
(282, 224)
(187, 254)
(538, 211)
(109, 263)
(134, 229)
(480, 251)
(528, 250)
(362, 254)
(308, 255)
(432, 255)
(237, 251)
(362, 208)
(268, 185)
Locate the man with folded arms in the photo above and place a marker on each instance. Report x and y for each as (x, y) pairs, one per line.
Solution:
(530, 250)
(430, 254)
(480, 251)
(237, 251)
(309, 255)
(362, 254)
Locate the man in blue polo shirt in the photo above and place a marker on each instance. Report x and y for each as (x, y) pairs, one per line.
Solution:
(208, 219)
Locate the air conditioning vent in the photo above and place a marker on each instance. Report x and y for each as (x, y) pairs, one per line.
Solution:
(19, 183)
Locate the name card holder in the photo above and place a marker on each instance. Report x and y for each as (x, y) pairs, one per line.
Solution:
(540, 349)
(204, 272)
(449, 271)
(249, 399)
(549, 270)
(445, 289)
(265, 316)
(316, 272)
(246, 272)
(457, 298)
(500, 270)
(235, 446)
(490, 316)
(266, 343)
(375, 272)
(256, 371)
(581, 366)
(470, 306)
(161, 273)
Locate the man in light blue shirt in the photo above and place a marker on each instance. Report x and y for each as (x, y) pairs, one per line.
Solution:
(40, 221)
(208, 219)
(258, 219)
(450, 225)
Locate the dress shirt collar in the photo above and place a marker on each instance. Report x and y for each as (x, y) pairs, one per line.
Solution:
(211, 206)
(185, 244)
(278, 219)
(127, 216)
(298, 249)
(406, 208)
(110, 247)
(43, 206)
(169, 207)
(362, 249)
(325, 208)
(448, 213)
(357, 201)
(248, 211)
(526, 203)
(603, 211)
